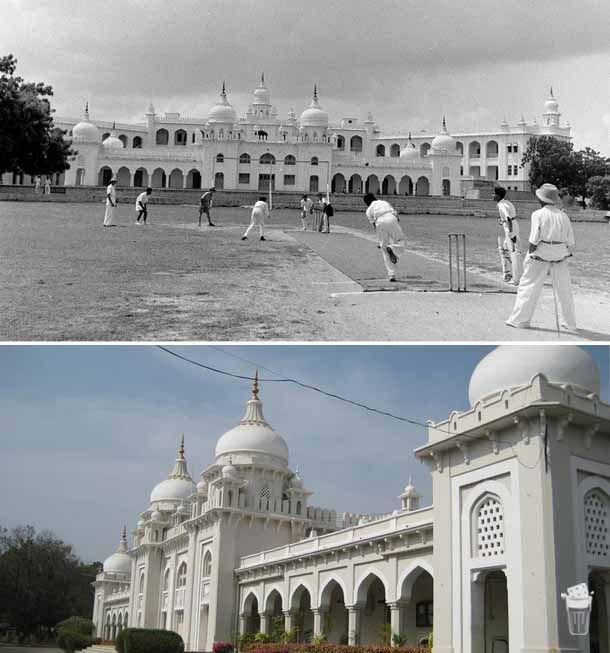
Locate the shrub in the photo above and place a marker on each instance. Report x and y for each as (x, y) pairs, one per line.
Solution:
(262, 638)
(80, 625)
(69, 640)
(334, 648)
(222, 647)
(245, 641)
(148, 640)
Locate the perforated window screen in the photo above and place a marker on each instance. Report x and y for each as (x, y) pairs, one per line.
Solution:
(596, 524)
(490, 528)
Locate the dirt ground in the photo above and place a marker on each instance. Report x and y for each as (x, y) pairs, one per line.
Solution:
(65, 277)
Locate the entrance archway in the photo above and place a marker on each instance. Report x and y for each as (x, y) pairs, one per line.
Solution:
(446, 187)
(375, 614)
(355, 184)
(332, 605)
(251, 615)
(104, 176)
(338, 183)
(302, 620)
(140, 178)
(123, 177)
(422, 187)
(388, 187)
(372, 184)
(406, 186)
(158, 179)
(176, 178)
(599, 627)
(489, 619)
(219, 180)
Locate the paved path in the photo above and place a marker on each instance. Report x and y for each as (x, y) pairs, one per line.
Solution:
(358, 257)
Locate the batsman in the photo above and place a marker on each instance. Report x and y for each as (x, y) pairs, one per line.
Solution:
(509, 248)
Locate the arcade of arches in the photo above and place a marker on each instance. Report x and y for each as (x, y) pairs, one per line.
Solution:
(157, 178)
(388, 185)
(369, 619)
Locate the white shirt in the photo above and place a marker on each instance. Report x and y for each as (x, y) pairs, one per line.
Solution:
(111, 190)
(142, 201)
(261, 207)
(507, 210)
(551, 224)
(306, 204)
(377, 209)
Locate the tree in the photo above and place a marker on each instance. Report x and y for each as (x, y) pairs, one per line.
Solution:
(551, 161)
(41, 580)
(589, 164)
(29, 142)
(598, 189)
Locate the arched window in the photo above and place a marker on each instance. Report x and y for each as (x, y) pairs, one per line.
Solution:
(267, 159)
(424, 148)
(488, 528)
(299, 507)
(166, 581)
(123, 139)
(262, 135)
(355, 144)
(207, 564)
(289, 160)
(380, 151)
(105, 136)
(395, 149)
(141, 586)
(137, 142)
(244, 158)
(597, 522)
(180, 137)
(220, 158)
(181, 577)
(314, 184)
(162, 137)
(340, 142)
(314, 160)
(459, 147)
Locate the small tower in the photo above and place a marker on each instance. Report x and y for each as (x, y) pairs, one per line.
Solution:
(410, 498)
(150, 124)
(551, 113)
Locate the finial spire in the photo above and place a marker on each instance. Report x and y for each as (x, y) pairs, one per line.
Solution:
(114, 125)
(315, 91)
(444, 125)
(255, 389)
(87, 110)
(181, 449)
(124, 532)
(262, 79)
(552, 92)
(224, 88)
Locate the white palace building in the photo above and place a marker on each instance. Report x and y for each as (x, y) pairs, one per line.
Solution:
(521, 511)
(305, 154)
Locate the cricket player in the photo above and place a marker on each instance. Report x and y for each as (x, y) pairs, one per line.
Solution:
(306, 209)
(142, 206)
(510, 248)
(260, 212)
(550, 246)
(391, 237)
(206, 205)
(110, 203)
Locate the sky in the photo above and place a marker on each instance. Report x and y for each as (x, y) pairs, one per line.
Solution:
(86, 432)
(407, 61)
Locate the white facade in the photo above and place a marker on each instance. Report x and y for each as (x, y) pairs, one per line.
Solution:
(521, 489)
(307, 154)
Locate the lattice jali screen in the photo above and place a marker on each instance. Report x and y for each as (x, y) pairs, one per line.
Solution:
(597, 519)
(490, 528)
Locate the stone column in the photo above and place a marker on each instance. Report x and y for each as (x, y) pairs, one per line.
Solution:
(243, 622)
(264, 622)
(318, 621)
(287, 620)
(395, 620)
(353, 627)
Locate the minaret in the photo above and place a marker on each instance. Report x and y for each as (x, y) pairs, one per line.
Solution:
(410, 498)
(123, 543)
(254, 407)
(551, 113)
(180, 470)
(150, 124)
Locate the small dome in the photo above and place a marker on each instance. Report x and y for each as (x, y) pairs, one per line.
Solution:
(182, 510)
(222, 111)
(512, 366)
(314, 116)
(157, 516)
(297, 481)
(409, 151)
(228, 471)
(202, 487)
(178, 486)
(253, 435)
(141, 524)
(551, 105)
(85, 131)
(119, 562)
(409, 490)
(112, 142)
(261, 94)
(444, 142)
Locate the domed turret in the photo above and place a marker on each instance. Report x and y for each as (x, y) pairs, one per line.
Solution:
(119, 562)
(261, 94)
(410, 497)
(314, 116)
(409, 151)
(112, 142)
(252, 436)
(222, 111)
(85, 131)
(511, 366)
(178, 486)
(296, 482)
(157, 516)
(202, 487)
(229, 471)
(551, 105)
(444, 142)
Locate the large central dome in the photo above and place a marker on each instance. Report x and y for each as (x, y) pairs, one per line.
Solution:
(511, 366)
(252, 436)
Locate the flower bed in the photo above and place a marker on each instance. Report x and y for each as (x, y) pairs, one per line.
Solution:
(332, 648)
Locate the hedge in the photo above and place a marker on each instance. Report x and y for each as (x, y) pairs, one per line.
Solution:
(333, 648)
(148, 640)
(69, 640)
(80, 625)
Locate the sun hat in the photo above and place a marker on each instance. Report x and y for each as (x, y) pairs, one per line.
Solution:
(548, 193)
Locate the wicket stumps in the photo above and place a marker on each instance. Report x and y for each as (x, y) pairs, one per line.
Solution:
(457, 280)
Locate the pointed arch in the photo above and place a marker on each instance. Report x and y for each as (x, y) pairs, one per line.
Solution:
(409, 576)
(366, 580)
(251, 599)
(327, 589)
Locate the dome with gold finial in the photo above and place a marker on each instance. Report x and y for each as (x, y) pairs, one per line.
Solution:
(253, 437)
(179, 485)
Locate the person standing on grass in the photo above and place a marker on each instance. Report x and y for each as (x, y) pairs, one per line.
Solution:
(510, 248)
(205, 206)
(550, 246)
(306, 209)
(320, 209)
(47, 186)
(142, 206)
(384, 219)
(110, 203)
(260, 212)
(37, 185)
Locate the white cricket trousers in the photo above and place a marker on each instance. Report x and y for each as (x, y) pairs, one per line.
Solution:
(109, 215)
(530, 287)
(391, 235)
(257, 220)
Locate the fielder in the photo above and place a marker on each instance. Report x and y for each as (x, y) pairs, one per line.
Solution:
(391, 237)
(110, 203)
(509, 248)
(550, 243)
(205, 204)
(260, 212)
(142, 206)
(306, 209)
